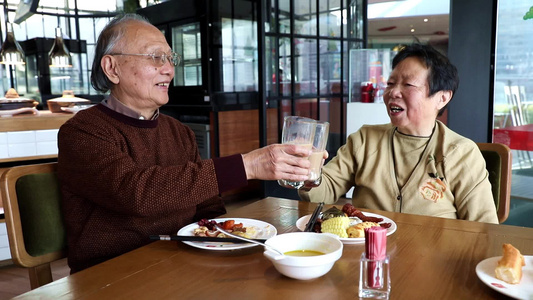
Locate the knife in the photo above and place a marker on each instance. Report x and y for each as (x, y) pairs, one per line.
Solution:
(311, 224)
(192, 238)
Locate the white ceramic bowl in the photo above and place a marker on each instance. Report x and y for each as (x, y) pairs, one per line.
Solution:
(304, 267)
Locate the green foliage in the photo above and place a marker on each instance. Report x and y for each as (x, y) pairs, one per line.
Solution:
(131, 6)
(529, 14)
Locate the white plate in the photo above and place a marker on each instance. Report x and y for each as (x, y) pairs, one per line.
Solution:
(523, 290)
(264, 231)
(303, 221)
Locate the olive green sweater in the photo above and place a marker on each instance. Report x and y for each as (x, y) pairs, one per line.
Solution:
(123, 179)
(450, 180)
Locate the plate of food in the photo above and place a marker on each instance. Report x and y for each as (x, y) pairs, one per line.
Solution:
(250, 228)
(511, 276)
(353, 223)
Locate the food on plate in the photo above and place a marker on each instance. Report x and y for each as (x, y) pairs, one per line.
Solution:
(351, 211)
(12, 93)
(337, 225)
(207, 228)
(333, 212)
(356, 221)
(358, 230)
(509, 267)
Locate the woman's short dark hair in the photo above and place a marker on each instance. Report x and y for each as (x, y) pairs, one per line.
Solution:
(442, 75)
(110, 36)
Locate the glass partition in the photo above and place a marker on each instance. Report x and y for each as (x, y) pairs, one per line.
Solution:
(330, 19)
(271, 69)
(285, 71)
(73, 79)
(330, 66)
(309, 55)
(305, 17)
(284, 16)
(13, 76)
(239, 55)
(513, 83)
(369, 70)
(187, 42)
(305, 77)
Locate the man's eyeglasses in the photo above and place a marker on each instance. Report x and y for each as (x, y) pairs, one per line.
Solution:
(159, 58)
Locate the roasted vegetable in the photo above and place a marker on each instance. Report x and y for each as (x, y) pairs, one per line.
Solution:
(337, 225)
(332, 213)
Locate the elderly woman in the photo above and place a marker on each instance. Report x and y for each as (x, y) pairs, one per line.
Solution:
(415, 164)
(127, 171)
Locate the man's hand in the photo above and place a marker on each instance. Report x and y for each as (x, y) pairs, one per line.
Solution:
(278, 161)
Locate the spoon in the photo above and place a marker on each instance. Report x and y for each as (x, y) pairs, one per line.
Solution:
(250, 241)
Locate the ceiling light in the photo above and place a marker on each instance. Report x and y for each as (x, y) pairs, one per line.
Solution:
(412, 30)
(59, 56)
(425, 20)
(11, 52)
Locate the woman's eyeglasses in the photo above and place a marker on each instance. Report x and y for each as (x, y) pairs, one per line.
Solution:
(159, 58)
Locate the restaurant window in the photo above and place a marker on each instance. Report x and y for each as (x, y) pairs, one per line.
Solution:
(283, 14)
(307, 54)
(305, 17)
(309, 66)
(81, 22)
(239, 55)
(305, 75)
(186, 40)
(284, 64)
(513, 101)
(513, 89)
(271, 64)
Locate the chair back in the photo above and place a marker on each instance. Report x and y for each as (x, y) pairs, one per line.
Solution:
(32, 204)
(499, 161)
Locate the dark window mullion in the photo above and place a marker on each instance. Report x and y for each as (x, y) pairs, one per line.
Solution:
(292, 56)
(317, 41)
(342, 95)
(232, 44)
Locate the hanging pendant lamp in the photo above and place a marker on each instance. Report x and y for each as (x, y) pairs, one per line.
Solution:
(59, 56)
(11, 52)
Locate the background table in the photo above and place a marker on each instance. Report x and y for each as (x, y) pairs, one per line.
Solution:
(431, 258)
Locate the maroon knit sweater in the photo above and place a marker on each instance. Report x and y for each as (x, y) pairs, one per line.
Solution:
(123, 179)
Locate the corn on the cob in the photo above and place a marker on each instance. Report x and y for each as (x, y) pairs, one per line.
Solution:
(337, 225)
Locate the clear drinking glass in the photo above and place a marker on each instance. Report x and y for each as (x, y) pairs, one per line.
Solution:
(297, 131)
(317, 157)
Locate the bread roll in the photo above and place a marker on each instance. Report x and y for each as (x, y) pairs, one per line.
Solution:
(358, 230)
(509, 267)
(12, 93)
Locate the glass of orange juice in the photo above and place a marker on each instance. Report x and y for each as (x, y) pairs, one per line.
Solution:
(320, 141)
(299, 131)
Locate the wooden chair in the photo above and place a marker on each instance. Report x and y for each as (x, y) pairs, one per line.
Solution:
(32, 204)
(499, 161)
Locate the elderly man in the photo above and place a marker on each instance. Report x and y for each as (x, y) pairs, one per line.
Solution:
(127, 171)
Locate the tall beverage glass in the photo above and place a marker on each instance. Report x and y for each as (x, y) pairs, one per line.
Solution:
(297, 131)
(317, 157)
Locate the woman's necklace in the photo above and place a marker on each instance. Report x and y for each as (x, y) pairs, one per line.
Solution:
(400, 198)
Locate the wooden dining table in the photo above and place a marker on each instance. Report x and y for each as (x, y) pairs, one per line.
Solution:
(430, 258)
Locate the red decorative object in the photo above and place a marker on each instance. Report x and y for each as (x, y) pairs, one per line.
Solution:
(387, 28)
(516, 137)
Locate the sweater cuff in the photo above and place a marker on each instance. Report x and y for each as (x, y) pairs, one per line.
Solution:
(230, 172)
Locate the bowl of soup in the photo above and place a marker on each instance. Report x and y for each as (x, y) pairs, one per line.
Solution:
(306, 255)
